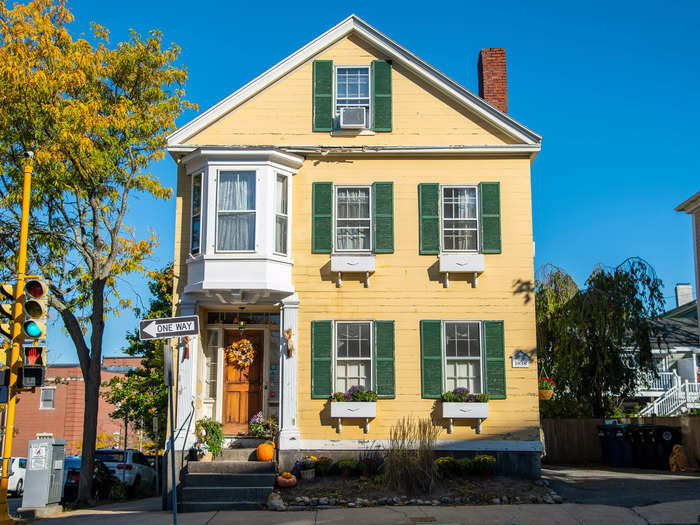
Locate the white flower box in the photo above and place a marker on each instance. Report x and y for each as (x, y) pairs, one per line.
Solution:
(353, 409)
(476, 411)
(465, 410)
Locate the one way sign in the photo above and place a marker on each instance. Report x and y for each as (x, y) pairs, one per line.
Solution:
(169, 327)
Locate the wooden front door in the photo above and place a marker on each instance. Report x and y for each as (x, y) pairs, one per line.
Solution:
(242, 387)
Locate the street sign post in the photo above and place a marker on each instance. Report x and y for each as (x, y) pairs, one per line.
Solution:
(168, 327)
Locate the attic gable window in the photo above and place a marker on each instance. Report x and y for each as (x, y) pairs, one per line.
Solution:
(352, 90)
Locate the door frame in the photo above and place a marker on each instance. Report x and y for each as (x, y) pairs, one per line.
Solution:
(220, 364)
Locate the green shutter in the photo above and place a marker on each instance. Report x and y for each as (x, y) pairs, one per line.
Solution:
(383, 193)
(321, 359)
(322, 227)
(490, 217)
(384, 358)
(494, 349)
(431, 358)
(323, 95)
(428, 209)
(381, 95)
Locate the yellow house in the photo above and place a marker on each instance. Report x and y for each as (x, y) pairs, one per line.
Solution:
(364, 221)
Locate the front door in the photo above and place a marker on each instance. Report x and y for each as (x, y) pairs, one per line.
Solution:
(242, 387)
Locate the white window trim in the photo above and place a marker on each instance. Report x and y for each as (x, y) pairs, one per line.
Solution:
(41, 401)
(371, 349)
(198, 215)
(335, 218)
(336, 113)
(278, 214)
(478, 218)
(482, 361)
(217, 211)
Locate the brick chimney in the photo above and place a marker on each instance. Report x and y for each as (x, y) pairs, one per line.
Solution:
(493, 84)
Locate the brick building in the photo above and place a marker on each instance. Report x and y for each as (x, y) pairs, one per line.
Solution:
(56, 410)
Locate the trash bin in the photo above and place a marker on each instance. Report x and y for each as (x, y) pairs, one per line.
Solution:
(641, 439)
(615, 446)
(664, 439)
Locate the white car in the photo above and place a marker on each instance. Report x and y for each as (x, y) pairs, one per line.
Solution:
(131, 467)
(18, 470)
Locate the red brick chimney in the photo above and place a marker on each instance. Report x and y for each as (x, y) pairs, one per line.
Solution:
(493, 84)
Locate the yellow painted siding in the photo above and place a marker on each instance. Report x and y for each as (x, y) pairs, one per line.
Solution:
(281, 114)
(406, 288)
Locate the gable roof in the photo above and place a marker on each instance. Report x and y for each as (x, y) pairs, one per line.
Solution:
(689, 310)
(690, 205)
(397, 53)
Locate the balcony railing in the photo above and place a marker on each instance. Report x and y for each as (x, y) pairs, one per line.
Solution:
(663, 382)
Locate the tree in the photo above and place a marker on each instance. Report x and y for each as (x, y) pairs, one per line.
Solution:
(596, 342)
(97, 118)
(141, 393)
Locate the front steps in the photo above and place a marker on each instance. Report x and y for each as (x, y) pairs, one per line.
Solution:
(233, 481)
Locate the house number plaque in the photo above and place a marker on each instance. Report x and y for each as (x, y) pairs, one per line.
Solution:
(520, 360)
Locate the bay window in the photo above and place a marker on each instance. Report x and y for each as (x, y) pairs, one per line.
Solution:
(196, 222)
(235, 211)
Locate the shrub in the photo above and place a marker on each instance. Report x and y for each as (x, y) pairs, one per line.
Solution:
(409, 463)
(464, 466)
(209, 432)
(446, 466)
(324, 465)
(347, 464)
(483, 464)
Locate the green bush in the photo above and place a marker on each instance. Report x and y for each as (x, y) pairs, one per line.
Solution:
(210, 432)
(347, 464)
(483, 464)
(464, 466)
(446, 466)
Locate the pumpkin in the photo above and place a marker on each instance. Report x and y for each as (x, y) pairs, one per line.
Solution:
(265, 451)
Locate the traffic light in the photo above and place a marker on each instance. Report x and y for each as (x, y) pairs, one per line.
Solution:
(7, 296)
(35, 309)
(34, 355)
(31, 377)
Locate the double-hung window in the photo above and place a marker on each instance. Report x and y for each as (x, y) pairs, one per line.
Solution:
(353, 223)
(46, 401)
(235, 211)
(281, 214)
(196, 213)
(460, 218)
(463, 356)
(352, 89)
(353, 355)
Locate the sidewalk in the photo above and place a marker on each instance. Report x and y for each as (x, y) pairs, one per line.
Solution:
(146, 512)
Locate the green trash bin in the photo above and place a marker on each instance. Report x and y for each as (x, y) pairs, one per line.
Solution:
(615, 446)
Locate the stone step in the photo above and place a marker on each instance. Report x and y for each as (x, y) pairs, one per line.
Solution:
(230, 467)
(229, 480)
(237, 454)
(225, 494)
(204, 506)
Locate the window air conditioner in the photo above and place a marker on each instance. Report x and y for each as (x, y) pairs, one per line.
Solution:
(353, 118)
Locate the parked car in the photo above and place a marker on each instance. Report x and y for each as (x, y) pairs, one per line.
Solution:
(18, 469)
(102, 481)
(131, 467)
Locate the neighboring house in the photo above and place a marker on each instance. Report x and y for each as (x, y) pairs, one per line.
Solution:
(692, 208)
(56, 409)
(378, 214)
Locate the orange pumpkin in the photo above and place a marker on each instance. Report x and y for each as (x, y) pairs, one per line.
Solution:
(265, 451)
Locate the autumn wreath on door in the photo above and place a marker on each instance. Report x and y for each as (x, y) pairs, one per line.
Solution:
(240, 354)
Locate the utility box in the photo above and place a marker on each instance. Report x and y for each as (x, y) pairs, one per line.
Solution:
(43, 482)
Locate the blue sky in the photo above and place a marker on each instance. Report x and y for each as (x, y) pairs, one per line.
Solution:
(612, 89)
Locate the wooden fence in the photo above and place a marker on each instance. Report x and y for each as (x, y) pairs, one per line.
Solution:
(575, 441)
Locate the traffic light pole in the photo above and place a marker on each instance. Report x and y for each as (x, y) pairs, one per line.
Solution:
(16, 332)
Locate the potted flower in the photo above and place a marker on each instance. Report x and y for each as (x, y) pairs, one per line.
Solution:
(324, 465)
(286, 479)
(308, 467)
(358, 402)
(209, 434)
(546, 386)
(460, 404)
(199, 452)
(347, 466)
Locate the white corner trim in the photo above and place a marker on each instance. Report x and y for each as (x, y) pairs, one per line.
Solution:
(379, 40)
(476, 445)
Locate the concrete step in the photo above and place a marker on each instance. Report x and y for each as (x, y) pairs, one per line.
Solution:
(204, 506)
(230, 467)
(225, 494)
(229, 480)
(237, 454)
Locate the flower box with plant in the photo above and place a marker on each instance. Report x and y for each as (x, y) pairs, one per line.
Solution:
(460, 404)
(545, 385)
(210, 433)
(357, 402)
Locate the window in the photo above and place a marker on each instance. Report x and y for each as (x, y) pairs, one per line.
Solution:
(352, 89)
(47, 398)
(196, 213)
(281, 215)
(210, 356)
(462, 353)
(236, 211)
(460, 220)
(353, 355)
(353, 224)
